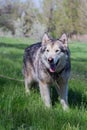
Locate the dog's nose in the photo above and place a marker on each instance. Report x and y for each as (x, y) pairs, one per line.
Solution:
(50, 59)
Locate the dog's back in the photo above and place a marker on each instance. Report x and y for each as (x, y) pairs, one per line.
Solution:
(30, 53)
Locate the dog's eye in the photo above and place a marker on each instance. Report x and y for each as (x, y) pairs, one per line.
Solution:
(56, 50)
(47, 50)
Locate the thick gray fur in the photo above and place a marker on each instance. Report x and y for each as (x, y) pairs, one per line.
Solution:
(37, 68)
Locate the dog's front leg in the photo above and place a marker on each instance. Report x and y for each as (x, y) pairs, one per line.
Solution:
(64, 96)
(63, 92)
(45, 93)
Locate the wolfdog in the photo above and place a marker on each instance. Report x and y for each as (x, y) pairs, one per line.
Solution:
(48, 62)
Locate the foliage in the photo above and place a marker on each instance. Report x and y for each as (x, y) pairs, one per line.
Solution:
(65, 16)
(56, 16)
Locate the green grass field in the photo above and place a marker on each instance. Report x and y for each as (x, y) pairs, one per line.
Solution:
(19, 111)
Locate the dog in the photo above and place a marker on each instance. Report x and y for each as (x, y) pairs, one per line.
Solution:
(48, 62)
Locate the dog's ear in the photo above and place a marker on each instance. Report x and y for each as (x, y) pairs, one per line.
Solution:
(64, 39)
(45, 39)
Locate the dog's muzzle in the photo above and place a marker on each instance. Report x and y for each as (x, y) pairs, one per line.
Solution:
(52, 64)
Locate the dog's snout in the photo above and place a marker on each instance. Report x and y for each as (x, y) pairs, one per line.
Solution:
(50, 59)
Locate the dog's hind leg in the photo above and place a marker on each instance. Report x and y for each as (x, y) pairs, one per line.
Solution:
(28, 77)
(45, 93)
(28, 80)
(27, 85)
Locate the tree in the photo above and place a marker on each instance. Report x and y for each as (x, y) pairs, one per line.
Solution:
(48, 7)
(82, 11)
(69, 16)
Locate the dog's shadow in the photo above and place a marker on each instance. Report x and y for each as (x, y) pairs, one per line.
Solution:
(75, 98)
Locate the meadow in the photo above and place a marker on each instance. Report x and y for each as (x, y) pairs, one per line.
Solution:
(19, 111)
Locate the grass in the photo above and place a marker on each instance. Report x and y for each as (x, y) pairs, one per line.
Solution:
(21, 112)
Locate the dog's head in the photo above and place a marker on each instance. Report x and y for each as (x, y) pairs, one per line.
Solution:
(53, 52)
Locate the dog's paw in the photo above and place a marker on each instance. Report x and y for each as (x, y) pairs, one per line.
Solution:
(27, 92)
(65, 108)
(64, 105)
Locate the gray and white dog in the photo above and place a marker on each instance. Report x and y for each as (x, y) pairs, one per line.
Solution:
(48, 62)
